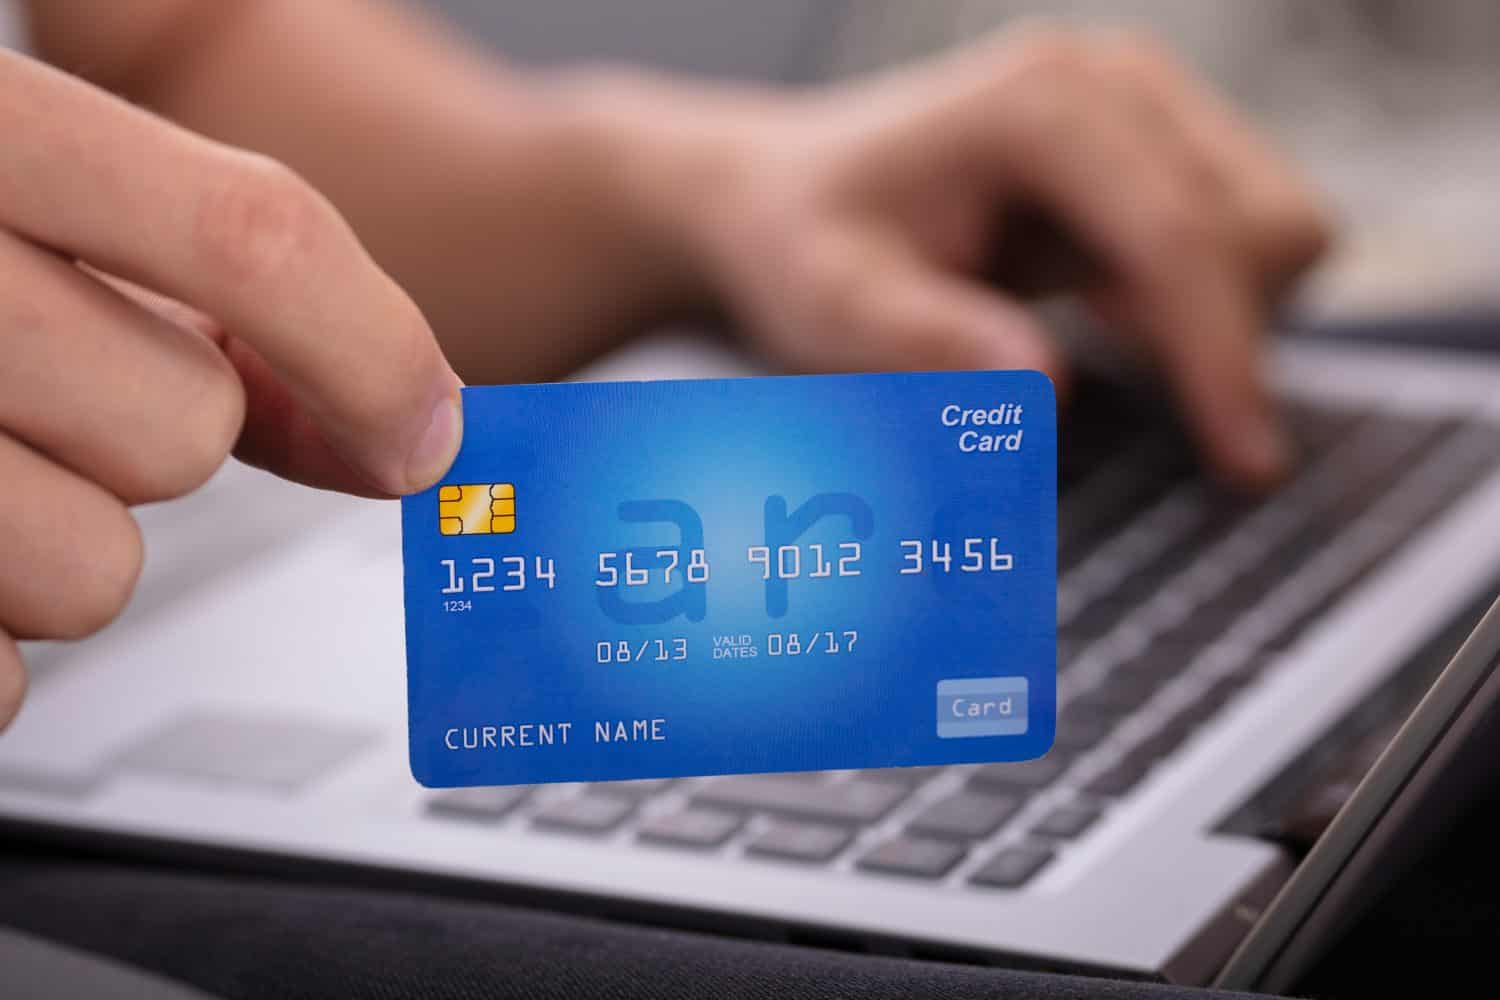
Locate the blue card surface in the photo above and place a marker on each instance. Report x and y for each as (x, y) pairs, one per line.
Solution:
(658, 579)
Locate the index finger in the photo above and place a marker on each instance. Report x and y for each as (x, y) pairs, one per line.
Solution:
(241, 238)
(1173, 278)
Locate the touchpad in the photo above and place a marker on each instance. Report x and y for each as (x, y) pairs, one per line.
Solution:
(275, 753)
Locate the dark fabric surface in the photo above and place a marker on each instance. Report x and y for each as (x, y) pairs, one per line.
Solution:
(237, 937)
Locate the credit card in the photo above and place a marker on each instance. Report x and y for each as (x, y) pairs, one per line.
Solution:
(661, 579)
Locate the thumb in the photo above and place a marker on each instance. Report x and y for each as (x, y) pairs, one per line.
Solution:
(282, 437)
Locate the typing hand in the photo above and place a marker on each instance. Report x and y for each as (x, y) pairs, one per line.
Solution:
(863, 227)
(113, 393)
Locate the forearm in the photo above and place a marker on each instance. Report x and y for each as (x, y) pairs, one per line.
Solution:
(535, 220)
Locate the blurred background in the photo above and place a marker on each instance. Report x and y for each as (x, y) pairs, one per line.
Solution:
(1392, 106)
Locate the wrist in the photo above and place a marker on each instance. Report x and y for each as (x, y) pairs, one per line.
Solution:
(678, 164)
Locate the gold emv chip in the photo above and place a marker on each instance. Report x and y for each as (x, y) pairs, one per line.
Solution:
(477, 509)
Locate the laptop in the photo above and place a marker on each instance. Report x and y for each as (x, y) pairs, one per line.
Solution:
(1229, 670)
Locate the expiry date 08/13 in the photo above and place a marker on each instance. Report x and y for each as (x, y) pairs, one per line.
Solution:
(817, 642)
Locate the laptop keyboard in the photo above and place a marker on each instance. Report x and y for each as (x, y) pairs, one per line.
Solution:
(1173, 598)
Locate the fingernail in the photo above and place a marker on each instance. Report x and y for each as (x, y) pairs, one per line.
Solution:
(438, 445)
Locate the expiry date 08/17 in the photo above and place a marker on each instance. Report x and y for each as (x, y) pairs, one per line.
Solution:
(824, 642)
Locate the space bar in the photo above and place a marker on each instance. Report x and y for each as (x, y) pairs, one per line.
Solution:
(845, 802)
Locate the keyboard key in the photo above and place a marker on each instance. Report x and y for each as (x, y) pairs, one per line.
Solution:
(640, 788)
(691, 828)
(918, 857)
(1279, 640)
(1221, 692)
(588, 813)
(1078, 731)
(1214, 617)
(1473, 455)
(1117, 694)
(1110, 497)
(1350, 572)
(1097, 619)
(1013, 867)
(1181, 723)
(965, 816)
(1121, 777)
(479, 804)
(1209, 701)
(1378, 454)
(801, 841)
(1163, 742)
(1067, 821)
(855, 802)
(1160, 664)
(1203, 517)
(1028, 775)
(1315, 429)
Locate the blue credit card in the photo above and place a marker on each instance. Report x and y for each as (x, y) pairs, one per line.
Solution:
(659, 579)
